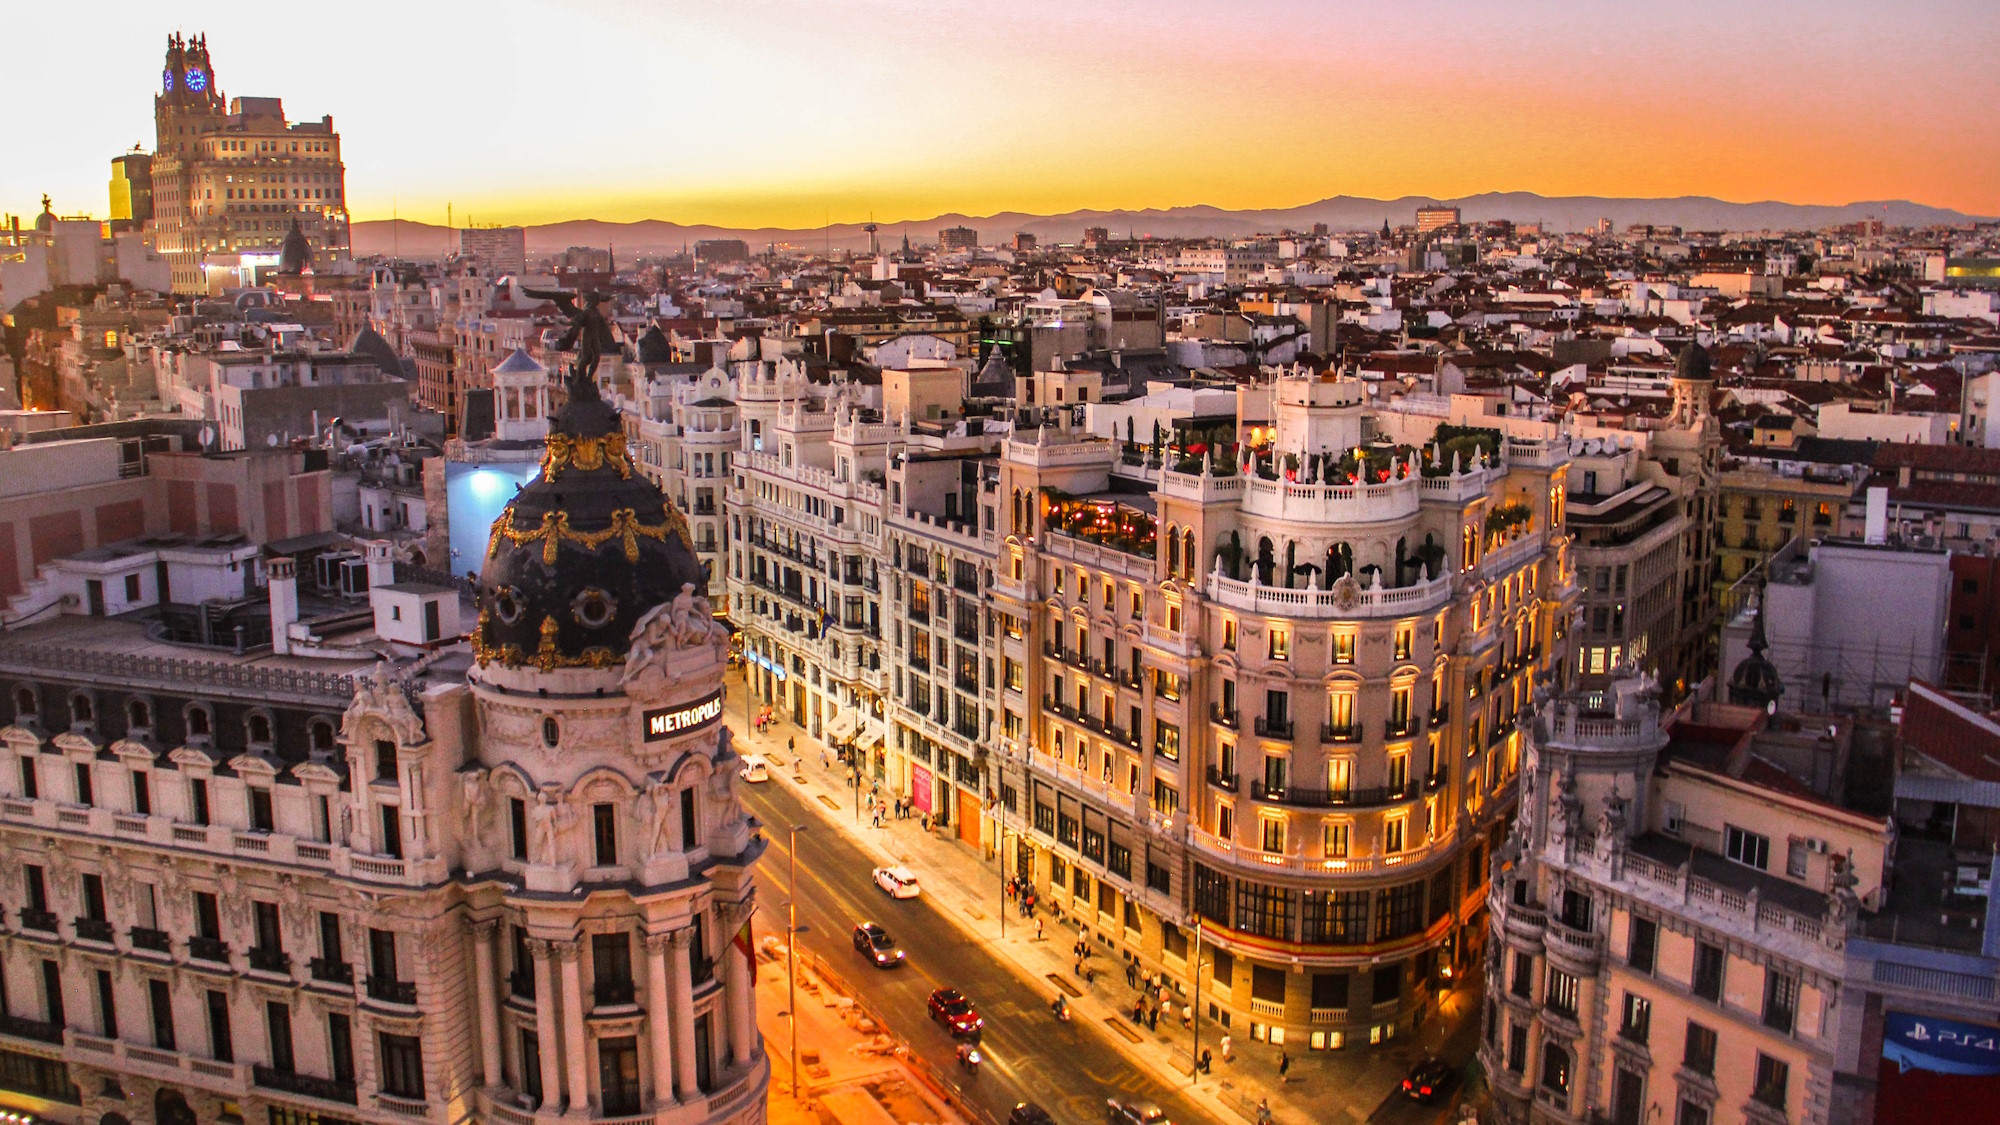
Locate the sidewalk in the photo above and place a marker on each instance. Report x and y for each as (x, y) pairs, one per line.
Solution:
(850, 1072)
(966, 887)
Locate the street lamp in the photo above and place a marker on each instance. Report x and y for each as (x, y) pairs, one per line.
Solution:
(791, 949)
(1003, 873)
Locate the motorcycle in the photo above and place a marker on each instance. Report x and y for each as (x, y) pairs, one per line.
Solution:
(969, 1057)
(1061, 1009)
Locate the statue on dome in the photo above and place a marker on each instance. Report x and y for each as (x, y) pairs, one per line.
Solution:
(589, 333)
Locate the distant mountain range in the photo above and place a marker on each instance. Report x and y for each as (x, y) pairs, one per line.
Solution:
(1342, 212)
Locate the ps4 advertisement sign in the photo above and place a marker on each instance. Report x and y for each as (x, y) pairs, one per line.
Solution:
(672, 722)
(1940, 1046)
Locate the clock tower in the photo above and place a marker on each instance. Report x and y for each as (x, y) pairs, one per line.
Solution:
(188, 105)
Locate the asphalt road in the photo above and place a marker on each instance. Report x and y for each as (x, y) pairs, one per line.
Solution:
(1068, 1069)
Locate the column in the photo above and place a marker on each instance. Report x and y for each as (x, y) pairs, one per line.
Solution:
(574, 1055)
(741, 984)
(482, 931)
(683, 985)
(660, 1022)
(547, 1037)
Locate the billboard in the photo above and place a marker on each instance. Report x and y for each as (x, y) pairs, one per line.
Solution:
(474, 496)
(1936, 1070)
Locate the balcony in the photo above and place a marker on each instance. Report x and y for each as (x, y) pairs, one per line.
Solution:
(38, 1030)
(332, 972)
(1222, 780)
(209, 949)
(1223, 718)
(392, 991)
(93, 929)
(1330, 798)
(1398, 728)
(612, 993)
(304, 1085)
(1340, 732)
(1270, 727)
(43, 920)
(145, 937)
(270, 960)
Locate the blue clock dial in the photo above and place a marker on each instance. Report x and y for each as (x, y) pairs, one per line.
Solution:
(196, 79)
(167, 80)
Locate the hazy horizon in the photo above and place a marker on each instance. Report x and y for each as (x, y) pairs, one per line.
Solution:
(765, 113)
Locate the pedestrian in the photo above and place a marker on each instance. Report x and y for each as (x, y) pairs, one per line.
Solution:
(792, 743)
(1226, 1056)
(1038, 924)
(878, 817)
(825, 762)
(1187, 1019)
(1284, 1063)
(1138, 1011)
(1131, 976)
(1153, 1020)
(1207, 1060)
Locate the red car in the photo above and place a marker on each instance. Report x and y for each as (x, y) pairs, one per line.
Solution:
(955, 1012)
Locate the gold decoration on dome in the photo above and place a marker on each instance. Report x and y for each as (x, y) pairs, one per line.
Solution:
(555, 528)
(566, 452)
(679, 525)
(548, 657)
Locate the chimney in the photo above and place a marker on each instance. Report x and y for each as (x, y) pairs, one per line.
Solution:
(284, 602)
(1878, 516)
(381, 563)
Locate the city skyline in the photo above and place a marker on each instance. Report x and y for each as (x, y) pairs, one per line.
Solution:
(772, 114)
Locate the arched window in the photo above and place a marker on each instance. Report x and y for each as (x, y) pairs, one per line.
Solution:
(24, 702)
(320, 736)
(260, 728)
(1188, 559)
(551, 731)
(198, 720)
(80, 709)
(138, 716)
(1173, 552)
(1555, 1069)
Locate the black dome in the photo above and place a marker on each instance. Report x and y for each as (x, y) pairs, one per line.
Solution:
(1756, 681)
(581, 553)
(1693, 363)
(295, 256)
(654, 346)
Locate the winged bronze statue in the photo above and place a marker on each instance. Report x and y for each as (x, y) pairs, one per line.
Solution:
(589, 332)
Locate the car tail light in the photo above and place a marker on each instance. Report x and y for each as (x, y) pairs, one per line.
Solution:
(1407, 1083)
(1426, 1091)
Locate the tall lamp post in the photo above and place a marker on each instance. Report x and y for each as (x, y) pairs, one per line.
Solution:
(791, 949)
(1003, 873)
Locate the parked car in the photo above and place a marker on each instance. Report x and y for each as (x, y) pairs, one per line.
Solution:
(754, 768)
(899, 882)
(1429, 1078)
(874, 943)
(1028, 1113)
(1134, 1113)
(950, 1008)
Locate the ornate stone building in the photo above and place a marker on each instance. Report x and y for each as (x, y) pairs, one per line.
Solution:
(511, 884)
(1275, 702)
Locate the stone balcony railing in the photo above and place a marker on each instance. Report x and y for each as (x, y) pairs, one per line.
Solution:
(220, 840)
(179, 674)
(1376, 601)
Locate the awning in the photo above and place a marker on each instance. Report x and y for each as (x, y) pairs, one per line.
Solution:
(1948, 790)
(842, 727)
(871, 736)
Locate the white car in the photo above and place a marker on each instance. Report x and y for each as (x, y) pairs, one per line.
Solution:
(754, 769)
(899, 882)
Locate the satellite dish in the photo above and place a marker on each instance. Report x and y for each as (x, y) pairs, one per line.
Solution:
(271, 440)
(207, 436)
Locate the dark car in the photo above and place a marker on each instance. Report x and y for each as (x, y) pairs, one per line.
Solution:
(1134, 1113)
(1028, 1113)
(874, 943)
(955, 1012)
(1429, 1078)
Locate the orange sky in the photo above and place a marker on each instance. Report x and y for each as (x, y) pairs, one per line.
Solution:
(758, 112)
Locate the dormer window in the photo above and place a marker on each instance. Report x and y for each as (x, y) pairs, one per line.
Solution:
(24, 703)
(199, 723)
(260, 730)
(138, 715)
(320, 736)
(81, 710)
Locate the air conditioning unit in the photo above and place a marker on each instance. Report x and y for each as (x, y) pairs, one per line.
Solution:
(1815, 844)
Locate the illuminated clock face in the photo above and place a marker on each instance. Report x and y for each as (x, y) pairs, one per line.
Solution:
(197, 80)
(167, 80)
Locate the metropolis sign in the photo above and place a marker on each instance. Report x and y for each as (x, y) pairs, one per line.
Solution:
(670, 722)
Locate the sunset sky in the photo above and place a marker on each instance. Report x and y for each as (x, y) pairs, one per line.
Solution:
(754, 112)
